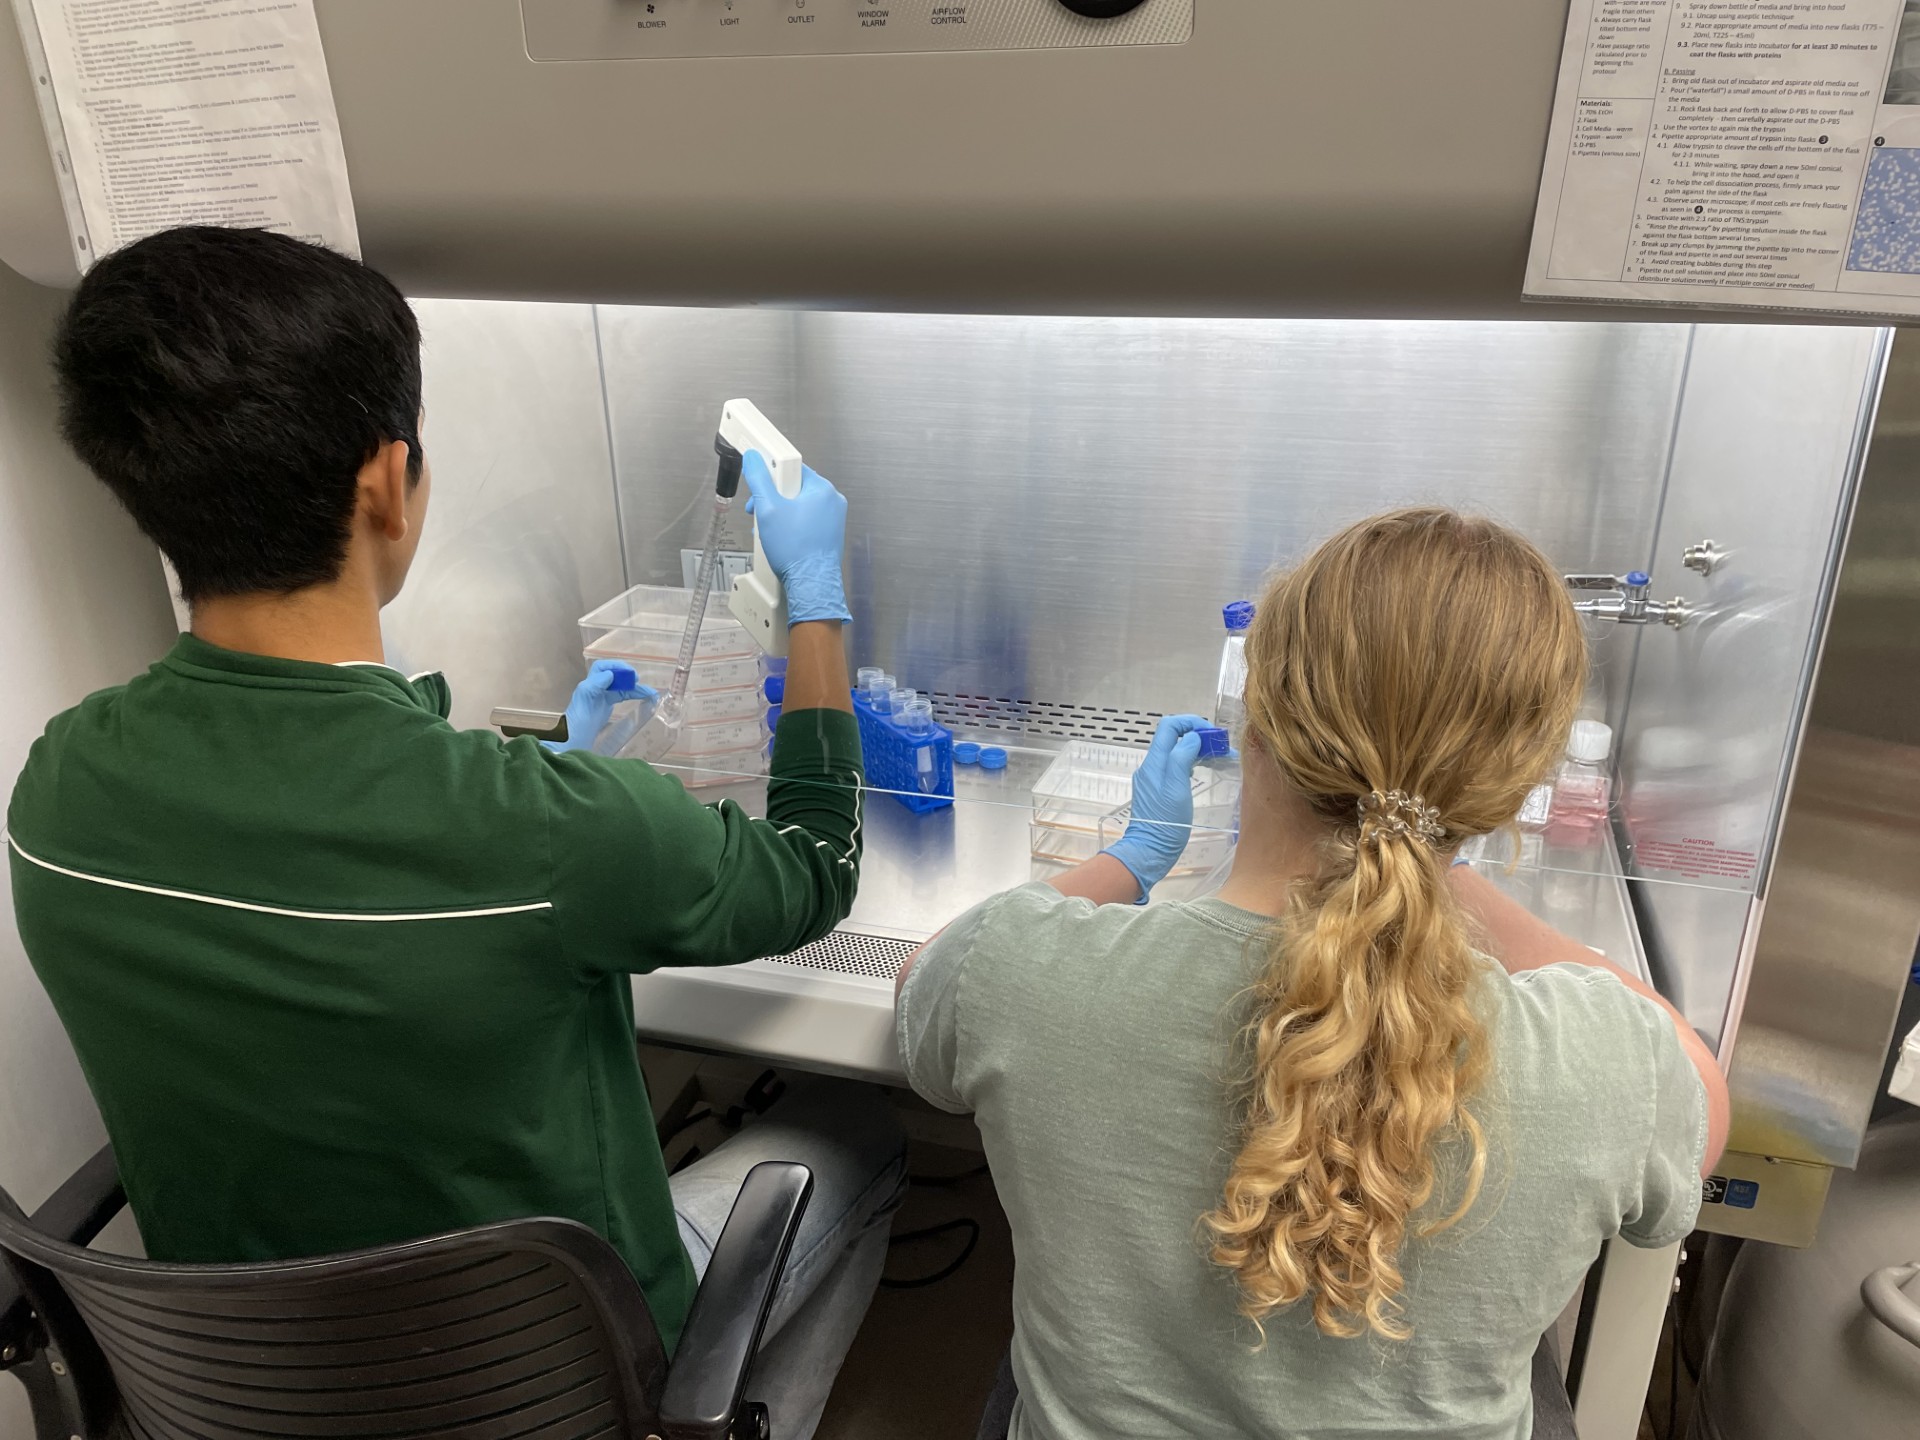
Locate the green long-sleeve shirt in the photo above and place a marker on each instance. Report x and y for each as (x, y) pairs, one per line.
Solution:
(340, 974)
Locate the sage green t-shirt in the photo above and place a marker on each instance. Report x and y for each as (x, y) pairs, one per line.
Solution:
(1093, 1045)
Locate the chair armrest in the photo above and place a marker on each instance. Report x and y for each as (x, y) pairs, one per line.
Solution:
(75, 1213)
(708, 1377)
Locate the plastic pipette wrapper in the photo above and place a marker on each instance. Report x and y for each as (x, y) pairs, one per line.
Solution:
(661, 730)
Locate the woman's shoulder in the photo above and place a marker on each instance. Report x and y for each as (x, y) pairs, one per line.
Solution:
(1036, 919)
(1575, 1032)
(1035, 936)
(1577, 1007)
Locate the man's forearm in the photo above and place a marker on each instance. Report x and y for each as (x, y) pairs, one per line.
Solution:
(817, 668)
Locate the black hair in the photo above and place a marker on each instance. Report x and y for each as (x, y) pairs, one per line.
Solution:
(228, 385)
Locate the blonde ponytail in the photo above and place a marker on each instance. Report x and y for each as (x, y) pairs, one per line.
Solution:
(1411, 680)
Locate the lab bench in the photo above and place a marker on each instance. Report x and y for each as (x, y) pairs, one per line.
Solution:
(829, 1007)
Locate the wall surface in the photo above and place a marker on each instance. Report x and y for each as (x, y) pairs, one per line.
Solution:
(1364, 158)
(86, 607)
(521, 536)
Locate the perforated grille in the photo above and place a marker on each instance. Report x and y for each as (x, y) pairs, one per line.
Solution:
(844, 953)
(1050, 718)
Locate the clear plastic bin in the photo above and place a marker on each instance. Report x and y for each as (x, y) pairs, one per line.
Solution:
(1208, 846)
(647, 622)
(728, 673)
(1062, 845)
(724, 769)
(1083, 800)
(704, 707)
(1087, 783)
(720, 737)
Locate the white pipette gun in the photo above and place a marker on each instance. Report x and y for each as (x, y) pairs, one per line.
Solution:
(757, 601)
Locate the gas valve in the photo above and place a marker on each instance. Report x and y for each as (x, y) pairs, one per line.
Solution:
(1627, 601)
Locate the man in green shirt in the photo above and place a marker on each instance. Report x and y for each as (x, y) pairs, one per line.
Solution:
(338, 973)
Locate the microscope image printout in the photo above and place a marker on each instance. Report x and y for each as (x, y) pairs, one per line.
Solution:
(174, 112)
(1735, 152)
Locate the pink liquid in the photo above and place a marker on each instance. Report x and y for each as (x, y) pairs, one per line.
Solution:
(1580, 799)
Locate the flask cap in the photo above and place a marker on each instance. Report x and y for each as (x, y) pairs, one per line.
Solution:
(1590, 741)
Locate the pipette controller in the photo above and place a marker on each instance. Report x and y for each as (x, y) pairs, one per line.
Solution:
(757, 600)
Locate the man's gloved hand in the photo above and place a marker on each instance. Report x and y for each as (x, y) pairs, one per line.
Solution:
(1162, 819)
(803, 536)
(593, 701)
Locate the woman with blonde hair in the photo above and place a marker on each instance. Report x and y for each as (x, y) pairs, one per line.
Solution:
(1324, 1155)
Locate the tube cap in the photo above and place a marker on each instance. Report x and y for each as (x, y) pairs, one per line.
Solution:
(992, 757)
(1214, 741)
(1590, 741)
(1238, 615)
(965, 752)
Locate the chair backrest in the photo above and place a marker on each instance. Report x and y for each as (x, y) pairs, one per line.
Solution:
(522, 1330)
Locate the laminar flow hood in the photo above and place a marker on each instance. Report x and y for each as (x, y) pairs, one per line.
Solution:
(1279, 157)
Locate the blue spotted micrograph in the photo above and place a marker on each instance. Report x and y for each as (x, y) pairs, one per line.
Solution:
(1886, 231)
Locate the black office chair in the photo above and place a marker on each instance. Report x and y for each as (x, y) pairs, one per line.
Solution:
(522, 1330)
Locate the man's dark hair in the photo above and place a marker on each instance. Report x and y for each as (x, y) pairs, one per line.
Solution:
(228, 385)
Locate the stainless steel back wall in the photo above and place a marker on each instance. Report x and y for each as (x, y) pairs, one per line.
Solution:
(1056, 509)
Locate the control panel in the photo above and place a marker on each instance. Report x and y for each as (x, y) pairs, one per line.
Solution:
(669, 29)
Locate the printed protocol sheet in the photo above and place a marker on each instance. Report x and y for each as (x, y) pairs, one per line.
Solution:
(1735, 152)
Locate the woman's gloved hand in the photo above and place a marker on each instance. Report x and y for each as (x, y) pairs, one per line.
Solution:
(1162, 819)
(802, 536)
(593, 701)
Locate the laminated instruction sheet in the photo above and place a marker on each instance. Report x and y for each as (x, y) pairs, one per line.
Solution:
(174, 112)
(1735, 152)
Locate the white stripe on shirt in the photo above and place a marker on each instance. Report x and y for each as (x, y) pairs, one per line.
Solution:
(363, 917)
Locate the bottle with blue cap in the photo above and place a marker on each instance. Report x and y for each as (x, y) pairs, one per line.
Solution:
(1216, 747)
(1229, 701)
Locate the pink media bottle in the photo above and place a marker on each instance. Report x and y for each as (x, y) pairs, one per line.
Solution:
(1582, 789)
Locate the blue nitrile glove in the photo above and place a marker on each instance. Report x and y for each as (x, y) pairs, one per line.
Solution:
(593, 701)
(803, 536)
(1162, 819)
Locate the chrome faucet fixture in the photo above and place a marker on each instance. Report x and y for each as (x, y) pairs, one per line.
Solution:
(1627, 600)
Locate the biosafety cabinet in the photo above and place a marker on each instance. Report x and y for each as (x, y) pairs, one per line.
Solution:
(1048, 515)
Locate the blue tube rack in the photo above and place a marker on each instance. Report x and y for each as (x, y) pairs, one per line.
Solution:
(892, 758)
